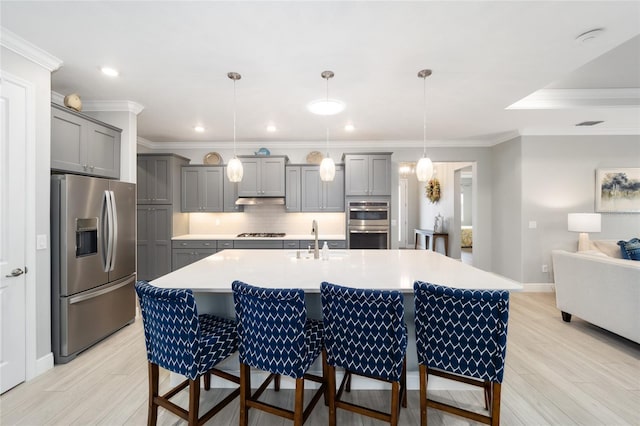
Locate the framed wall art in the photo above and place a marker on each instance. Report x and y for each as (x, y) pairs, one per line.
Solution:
(618, 190)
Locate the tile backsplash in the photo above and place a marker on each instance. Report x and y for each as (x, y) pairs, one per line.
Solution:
(265, 219)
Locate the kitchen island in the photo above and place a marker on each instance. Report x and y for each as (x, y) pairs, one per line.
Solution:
(211, 279)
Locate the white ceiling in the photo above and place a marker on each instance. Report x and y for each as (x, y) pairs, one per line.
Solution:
(173, 59)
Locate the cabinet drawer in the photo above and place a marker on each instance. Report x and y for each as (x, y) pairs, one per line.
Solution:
(333, 244)
(295, 244)
(225, 244)
(194, 244)
(257, 244)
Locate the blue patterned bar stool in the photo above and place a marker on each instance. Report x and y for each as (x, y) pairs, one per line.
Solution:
(461, 335)
(366, 335)
(181, 341)
(276, 336)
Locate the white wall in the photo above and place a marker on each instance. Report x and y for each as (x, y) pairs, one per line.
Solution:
(558, 177)
(506, 186)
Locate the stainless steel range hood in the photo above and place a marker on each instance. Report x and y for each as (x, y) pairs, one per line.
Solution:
(260, 201)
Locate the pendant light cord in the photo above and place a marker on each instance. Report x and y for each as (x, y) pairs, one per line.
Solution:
(327, 119)
(234, 118)
(424, 117)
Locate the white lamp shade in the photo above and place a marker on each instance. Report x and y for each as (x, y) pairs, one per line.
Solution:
(584, 222)
(424, 169)
(234, 170)
(327, 169)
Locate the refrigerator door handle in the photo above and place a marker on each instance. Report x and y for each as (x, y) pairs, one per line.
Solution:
(103, 237)
(114, 230)
(109, 231)
(93, 294)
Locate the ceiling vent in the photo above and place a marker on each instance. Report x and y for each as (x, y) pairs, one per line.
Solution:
(589, 123)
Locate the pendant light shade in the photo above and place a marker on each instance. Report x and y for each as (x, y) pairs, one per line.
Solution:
(424, 168)
(234, 167)
(327, 169)
(234, 170)
(327, 166)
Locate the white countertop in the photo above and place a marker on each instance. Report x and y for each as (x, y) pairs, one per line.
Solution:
(309, 236)
(376, 269)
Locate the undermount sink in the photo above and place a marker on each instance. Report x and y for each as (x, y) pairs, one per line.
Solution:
(305, 255)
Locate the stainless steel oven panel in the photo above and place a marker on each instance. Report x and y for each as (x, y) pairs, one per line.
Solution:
(368, 238)
(368, 213)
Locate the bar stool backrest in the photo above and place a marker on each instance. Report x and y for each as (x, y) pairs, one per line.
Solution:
(171, 328)
(271, 324)
(364, 330)
(462, 331)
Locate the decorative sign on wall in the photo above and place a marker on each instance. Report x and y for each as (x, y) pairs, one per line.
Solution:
(618, 190)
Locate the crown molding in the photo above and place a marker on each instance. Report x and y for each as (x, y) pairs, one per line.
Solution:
(113, 106)
(582, 131)
(28, 50)
(579, 98)
(57, 98)
(146, 143)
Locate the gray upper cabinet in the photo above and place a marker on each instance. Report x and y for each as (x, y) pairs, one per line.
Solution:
(84, 145)
(367, 174)
(230, 194)
(202, 189)
(262, 177)
(319, 196)
(292, 201)
(154, 179)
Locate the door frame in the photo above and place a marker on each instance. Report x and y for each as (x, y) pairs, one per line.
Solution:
(31, 362)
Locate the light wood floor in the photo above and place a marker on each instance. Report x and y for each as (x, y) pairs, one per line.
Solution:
(557, 374)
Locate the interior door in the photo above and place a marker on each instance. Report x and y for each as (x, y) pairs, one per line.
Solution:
(13, 142)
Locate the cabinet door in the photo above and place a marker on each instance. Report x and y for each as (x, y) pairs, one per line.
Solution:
(181, 257)
(292, 189)
(67, 135)
(154, 180)
(211, 179)
(357, 175)
(379, 175)
(160, 233)
(191, 190)
(103, 153)
(312, 188)
(249, 186)
(230, 194)
(144, 245)
(272, 177)
(333, 192)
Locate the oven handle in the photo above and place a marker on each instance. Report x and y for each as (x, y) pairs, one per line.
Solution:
(357, 209)
(357, 231)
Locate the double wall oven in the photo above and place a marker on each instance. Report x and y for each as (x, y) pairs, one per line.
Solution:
(368, 224)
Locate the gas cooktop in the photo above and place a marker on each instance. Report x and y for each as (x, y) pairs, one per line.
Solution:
(261, 235)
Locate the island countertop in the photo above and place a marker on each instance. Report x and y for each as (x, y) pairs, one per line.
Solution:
(375, 269)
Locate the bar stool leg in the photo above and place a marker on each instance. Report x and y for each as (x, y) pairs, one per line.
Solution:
(245, 392)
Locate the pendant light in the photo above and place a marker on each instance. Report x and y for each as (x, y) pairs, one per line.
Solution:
(327, 166)
(234, 167)
(424, 168)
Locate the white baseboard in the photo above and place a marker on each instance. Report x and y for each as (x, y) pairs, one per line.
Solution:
(538, 287)
(43, 365)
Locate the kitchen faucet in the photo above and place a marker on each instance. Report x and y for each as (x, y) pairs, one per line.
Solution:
(314, 231)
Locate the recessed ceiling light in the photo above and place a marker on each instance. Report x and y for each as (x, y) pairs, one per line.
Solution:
(326, 106)
(590, 123)
(271, 128)
(111, 72)
(349, 127)
(590, 35)
(199, 129)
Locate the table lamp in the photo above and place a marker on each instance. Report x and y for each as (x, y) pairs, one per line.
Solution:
(583, 223)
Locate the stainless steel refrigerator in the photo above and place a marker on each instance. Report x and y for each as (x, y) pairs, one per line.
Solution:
(93, 261)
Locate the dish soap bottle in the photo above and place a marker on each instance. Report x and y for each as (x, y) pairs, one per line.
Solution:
(325, 251)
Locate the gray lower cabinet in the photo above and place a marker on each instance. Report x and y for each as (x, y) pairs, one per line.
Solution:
(225, 244)
(202, 189)
(291, 244)
(185, 252)
(84, 145)
(257, 244)
(367, 174)
(154, 241)
(319, 196)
